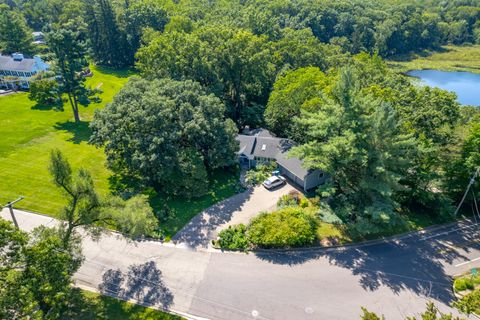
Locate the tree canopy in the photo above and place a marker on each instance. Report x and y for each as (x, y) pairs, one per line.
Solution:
(170, 133)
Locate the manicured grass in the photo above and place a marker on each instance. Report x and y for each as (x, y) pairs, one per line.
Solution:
(224, 184)
(107, 308)
(29, 133)
(450, 58)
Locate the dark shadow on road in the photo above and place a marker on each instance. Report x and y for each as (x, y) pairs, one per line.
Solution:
(81, 130)
(199, 231)
(142, 282)
(412, 263)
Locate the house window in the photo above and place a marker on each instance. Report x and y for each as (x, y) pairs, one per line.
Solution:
(321, 175)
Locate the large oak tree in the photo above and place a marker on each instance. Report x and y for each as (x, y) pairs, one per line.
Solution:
(169, 133)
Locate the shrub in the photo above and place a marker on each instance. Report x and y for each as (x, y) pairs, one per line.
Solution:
(233, 238)
(288, 227)
(292, 199)
(462, 284)
(469, 303)
(260, 173)
(327, 215)
(303, 202)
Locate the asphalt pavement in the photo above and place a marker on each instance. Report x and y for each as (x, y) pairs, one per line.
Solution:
(394, 278)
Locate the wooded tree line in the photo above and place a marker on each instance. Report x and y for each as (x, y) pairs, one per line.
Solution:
(115, 28)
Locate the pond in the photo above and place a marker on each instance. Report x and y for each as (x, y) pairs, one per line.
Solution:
(465, 84)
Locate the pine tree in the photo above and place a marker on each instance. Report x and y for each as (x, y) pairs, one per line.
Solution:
(358, 140)
(15, 36)
(107, 41)
(70, 51)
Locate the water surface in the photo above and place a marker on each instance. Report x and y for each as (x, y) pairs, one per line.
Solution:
(465, 84)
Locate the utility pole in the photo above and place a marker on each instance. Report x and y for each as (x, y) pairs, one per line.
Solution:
(472, 181)
(10, 207)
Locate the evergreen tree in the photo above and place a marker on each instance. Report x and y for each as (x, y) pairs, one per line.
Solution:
(70, 52)
(138, 16)
(358, 140)
(107, 42)
(15, 36)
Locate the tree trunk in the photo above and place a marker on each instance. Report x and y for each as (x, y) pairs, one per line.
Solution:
(75, 115)
(73, 103)
(67, 236)
(75, 109)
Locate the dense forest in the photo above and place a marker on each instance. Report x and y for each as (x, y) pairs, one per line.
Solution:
(311, 71)
(388, 27)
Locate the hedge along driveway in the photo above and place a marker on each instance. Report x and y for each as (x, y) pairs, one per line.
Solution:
(240, 208)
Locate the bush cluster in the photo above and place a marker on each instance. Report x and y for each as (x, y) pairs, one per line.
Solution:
(462, 284)
(287, 227)
(259, 174)
(233, 238)
(292, 199)
(469, 303)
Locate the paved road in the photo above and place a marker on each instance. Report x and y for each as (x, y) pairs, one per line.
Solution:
(237, 209)
(395, 278)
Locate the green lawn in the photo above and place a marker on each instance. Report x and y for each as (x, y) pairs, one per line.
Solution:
(96, 306)
(28, 134)
(450, 58)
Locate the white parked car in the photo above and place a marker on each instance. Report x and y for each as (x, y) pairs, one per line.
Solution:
(273, 182)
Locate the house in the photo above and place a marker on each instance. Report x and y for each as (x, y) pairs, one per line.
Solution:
(16, 71)
(261, 146)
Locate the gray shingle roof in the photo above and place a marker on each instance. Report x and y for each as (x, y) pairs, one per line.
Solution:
(294, 165)
(24, 65)
(263, 144)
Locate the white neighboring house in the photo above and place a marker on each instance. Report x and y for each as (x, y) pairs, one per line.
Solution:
(16, 71)
(260, 145)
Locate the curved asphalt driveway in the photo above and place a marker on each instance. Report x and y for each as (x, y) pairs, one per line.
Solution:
(237, 209)
(394, 278)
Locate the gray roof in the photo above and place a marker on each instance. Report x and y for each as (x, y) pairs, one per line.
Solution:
(24, 65)
(294, 165)
(261, 143)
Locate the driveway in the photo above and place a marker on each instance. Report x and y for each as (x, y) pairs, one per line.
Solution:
(240, 208)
